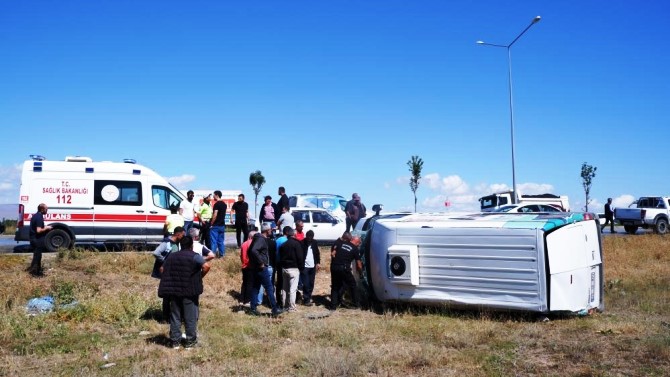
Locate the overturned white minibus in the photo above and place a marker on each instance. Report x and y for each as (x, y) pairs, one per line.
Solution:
(528, 262)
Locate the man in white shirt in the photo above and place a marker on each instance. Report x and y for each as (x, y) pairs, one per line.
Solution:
(187, 210)
(286, 219)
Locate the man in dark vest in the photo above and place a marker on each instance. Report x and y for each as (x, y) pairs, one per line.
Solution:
(181, 284)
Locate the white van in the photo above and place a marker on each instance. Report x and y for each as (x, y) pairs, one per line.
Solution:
(542, 262)
(95, 202)
(335, 204)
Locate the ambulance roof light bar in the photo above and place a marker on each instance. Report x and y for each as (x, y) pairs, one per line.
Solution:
(37, 157)
(129, 161)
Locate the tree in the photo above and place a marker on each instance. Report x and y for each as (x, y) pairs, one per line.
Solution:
(256, 180)
(415, 166)
(588, 173)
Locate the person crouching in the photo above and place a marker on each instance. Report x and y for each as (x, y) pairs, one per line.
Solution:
(181, 284)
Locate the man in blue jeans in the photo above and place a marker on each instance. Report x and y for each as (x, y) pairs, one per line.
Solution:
(259, 261)
(217, 232)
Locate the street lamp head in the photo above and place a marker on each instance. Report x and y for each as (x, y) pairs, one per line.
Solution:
(537, 19)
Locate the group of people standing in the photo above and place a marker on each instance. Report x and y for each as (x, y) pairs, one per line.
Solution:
(280, 266)
(210, 218)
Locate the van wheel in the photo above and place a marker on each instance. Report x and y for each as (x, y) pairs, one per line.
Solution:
(661, 226)
(57, 239)
(630, 229)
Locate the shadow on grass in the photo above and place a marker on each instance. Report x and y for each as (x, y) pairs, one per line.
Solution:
(160, 340)
(153, 314)
(444, 310)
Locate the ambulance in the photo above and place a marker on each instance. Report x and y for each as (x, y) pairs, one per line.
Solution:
(95, 201)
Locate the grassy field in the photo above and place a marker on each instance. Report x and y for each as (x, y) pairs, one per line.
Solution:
(114, 329)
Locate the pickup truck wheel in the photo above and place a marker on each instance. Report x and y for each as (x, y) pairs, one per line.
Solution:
(630, 229)
(56, 239)
(661, 226)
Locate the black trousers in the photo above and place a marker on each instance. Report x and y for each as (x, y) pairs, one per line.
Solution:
(247, 284)
(608, 220)
(36, 263)
(340, 278)
(241, 227)
(204, 234)
(279, 285)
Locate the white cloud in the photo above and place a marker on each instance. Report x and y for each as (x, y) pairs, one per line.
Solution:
(431, 180)
(623, 200)
(6, 186)
(454, 185)
(535, 188)
(461, 195)
(180, 181)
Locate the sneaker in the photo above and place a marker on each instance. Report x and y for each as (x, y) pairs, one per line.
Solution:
(308, 303)
(174, 344)
(277, 313)
(254, 313)
(183, 336)
(191, 344)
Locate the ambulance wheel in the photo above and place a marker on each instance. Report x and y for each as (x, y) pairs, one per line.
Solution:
(57, 239)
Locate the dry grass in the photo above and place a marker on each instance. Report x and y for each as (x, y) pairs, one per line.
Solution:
(117, 307)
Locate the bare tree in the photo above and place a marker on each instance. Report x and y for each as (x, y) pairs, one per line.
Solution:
(588, 173)
(415, 166)
(256, 180)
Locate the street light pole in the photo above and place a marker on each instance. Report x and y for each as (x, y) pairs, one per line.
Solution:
(511, 101)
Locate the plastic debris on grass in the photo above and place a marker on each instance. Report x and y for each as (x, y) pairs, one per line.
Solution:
(45, 304)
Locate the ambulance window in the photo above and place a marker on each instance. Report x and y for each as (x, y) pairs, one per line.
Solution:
(121, 193)
(163, 197)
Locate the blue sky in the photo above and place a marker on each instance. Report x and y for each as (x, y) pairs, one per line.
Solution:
(336, 96)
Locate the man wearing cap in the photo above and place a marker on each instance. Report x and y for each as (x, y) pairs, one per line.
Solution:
(259, 261)
(355, 210)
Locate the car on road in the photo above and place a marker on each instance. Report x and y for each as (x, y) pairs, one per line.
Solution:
(327, 228)
(528, 208)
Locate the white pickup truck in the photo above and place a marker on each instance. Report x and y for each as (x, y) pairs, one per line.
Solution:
(651, 212)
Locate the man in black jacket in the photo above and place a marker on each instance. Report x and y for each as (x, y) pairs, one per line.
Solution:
(259, 261)
(181, 284)
(609, 216)
(292, 262)
(340, 272)
(310, 250)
